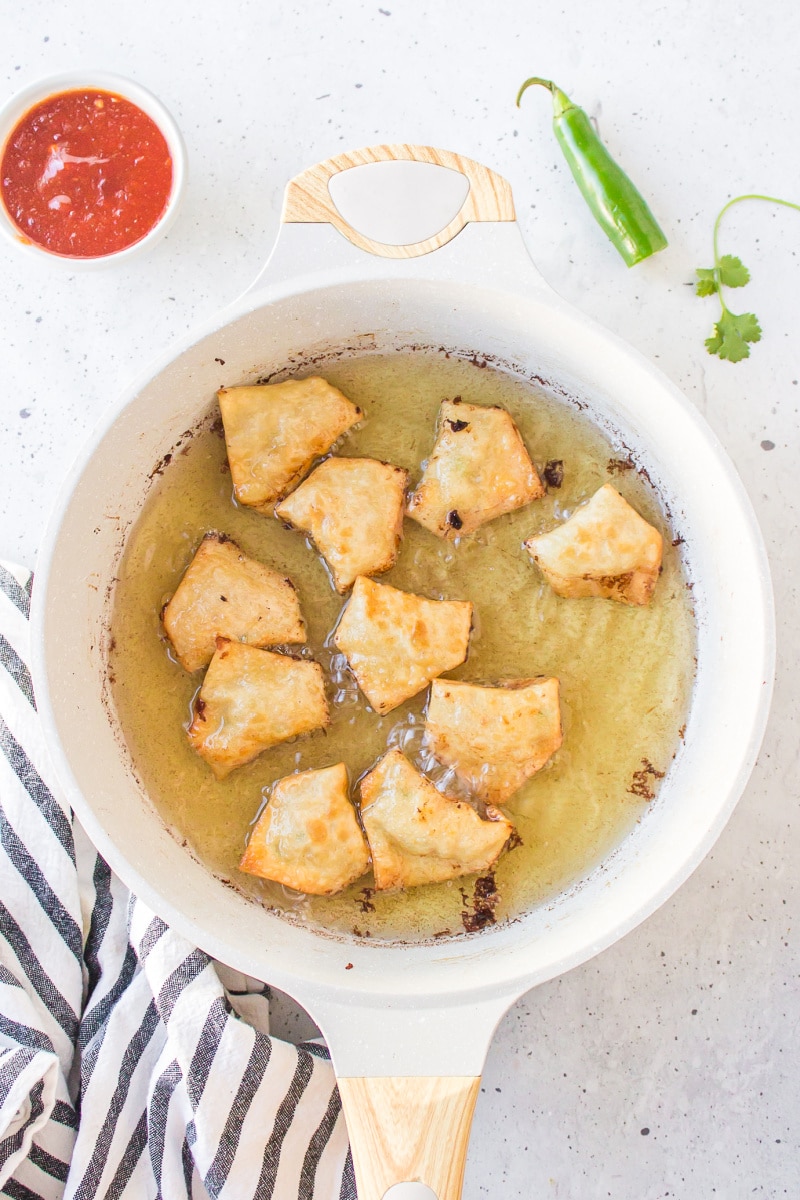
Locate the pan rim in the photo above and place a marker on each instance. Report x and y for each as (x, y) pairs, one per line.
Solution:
(746, 754)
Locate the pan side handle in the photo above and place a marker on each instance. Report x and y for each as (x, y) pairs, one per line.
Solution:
(409, 1128)
(381, 212)
(308, 197)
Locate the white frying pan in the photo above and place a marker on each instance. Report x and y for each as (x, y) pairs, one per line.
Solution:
(408, 1025)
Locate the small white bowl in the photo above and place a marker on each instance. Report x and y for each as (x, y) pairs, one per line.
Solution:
(15, 109)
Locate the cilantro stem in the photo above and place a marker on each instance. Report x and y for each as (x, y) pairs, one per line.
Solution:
(732, 332)
(721, 214)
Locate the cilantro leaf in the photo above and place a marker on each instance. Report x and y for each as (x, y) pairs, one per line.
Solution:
(706, 281)
(732, 332)
(732, 271)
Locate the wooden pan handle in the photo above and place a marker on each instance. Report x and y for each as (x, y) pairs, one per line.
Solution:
(412, 1128)
(307, 198)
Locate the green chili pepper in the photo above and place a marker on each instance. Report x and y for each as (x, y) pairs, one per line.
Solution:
(618, 207)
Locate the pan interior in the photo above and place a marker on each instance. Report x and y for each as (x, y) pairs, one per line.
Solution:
(625, 673)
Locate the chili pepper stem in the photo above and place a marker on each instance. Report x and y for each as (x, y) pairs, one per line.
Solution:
(534, 79)
(561, 101)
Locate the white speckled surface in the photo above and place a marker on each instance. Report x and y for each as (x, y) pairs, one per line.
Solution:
(669, 1066)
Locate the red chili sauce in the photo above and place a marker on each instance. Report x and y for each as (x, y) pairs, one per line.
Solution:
(86, 173)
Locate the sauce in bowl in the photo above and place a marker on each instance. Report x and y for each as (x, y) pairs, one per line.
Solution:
(86, 173)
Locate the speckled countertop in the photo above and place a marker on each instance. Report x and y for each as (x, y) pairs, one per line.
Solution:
(669, 1065)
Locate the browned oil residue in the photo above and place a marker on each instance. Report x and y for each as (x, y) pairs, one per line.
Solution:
(616, 466)
(479, 912)
(643, 779)
(554, 473)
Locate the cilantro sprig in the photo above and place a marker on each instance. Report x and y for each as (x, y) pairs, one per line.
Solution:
(733, 332)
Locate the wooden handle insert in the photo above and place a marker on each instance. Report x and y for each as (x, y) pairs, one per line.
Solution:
(409, 1129)
(308, 199)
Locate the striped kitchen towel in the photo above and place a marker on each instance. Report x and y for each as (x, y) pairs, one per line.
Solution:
(131, 1063)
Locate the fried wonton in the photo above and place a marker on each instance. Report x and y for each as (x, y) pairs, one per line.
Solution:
(274, 431)
(223, 593)
(308, 837)
(353, 509)
(252, 699)
(396, 642)
(479, 469)
(417, 835)
(494, 737)
(604, 549)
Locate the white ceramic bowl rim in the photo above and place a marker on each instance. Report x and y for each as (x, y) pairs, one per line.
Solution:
(21, 102)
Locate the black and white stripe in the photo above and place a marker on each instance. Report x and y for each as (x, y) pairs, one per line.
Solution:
(131, 1064)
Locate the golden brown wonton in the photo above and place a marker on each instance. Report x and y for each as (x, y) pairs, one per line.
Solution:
(604, 549)
(353, 509)
(252, 699)
(274, 431)
(417, 835)
(479, 469)
(397, 642)
(308, 837)
(494, 737)
(223, 593)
